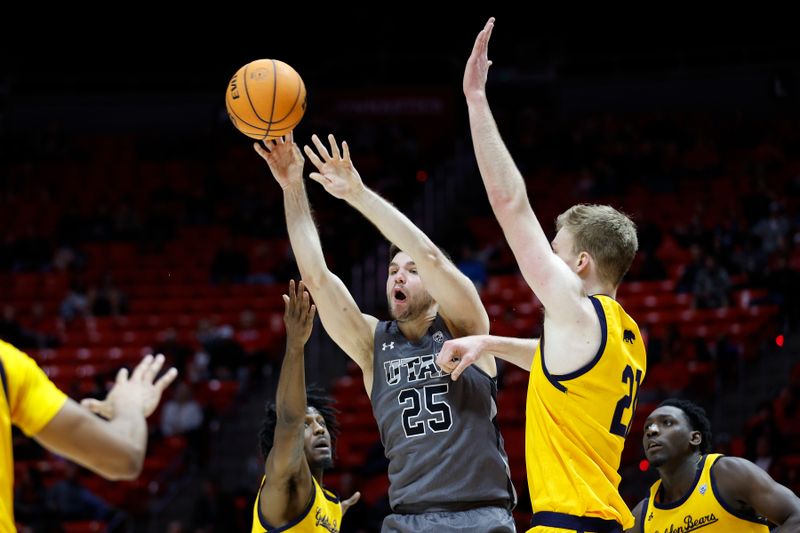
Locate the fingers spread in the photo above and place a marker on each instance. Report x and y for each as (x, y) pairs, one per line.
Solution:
(334, 146)
(323, 152)
(166, 380)
(312, 156)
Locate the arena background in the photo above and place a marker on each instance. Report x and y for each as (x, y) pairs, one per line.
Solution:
(136, 218)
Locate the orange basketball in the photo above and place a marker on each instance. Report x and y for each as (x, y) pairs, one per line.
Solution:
(266, 99)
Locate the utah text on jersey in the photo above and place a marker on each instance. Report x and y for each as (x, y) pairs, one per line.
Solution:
(417, 368)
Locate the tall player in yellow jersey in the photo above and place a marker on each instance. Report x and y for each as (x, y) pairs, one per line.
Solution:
(114, 448)
(699, 489)
(584, 381)
(296, 441)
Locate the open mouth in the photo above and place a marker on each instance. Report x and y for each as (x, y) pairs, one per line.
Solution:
(654, 446)
(399, 295)
(321, 446)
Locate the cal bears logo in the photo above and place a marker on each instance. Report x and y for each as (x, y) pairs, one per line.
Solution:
(628, 336)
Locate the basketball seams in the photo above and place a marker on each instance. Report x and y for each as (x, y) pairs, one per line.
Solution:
(274, 127)
(250, 100)
(296, 99)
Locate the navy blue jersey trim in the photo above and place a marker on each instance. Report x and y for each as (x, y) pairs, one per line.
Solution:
(645, 505)
(552, 379)
(330, 496)
(4, 379)
(557, 379)
(724, 504)
(680, 501)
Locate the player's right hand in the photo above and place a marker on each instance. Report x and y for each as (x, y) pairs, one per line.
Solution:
(284, 159)
(299, 313)
(140, 389)
(457, 354)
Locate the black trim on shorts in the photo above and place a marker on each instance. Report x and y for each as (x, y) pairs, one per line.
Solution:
(581, 524)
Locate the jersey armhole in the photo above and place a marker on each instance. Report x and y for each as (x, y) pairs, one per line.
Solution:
(556, 380)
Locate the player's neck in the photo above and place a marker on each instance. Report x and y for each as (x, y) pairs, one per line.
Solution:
(593, 287)
(317, 473)
(416, 328)
(678, 480)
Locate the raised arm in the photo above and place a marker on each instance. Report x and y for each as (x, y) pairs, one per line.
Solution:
(115, 449)
(287, 474)
(458, 299)
(558, 288)
(745, 486)
(457, 354)
(344, 322)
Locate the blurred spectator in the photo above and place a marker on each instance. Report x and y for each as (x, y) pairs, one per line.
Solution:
(70, 500)
(76, 303)
(772, 230)
(711, 285)
(107, 299)
(181, 414)
(30, 497)
(177, 353)
(686, 283)
(473, 264)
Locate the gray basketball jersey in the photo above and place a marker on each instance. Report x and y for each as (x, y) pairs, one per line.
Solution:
(441, 438)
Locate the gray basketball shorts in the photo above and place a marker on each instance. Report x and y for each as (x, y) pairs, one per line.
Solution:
(480, 520)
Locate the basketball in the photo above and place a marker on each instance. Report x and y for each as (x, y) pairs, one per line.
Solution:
(266, 99)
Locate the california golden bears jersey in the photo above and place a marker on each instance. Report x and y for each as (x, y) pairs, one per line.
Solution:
(701, 507)
(322, 515)
(28, 400)
(576, 423)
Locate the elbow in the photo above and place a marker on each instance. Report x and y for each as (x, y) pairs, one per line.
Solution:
(507, 201)
(313, 280)
(127, 466)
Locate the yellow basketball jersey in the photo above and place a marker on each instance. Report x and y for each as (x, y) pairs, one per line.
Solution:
(576, 423)
(28, 400)
(322, 515)
(701, 507)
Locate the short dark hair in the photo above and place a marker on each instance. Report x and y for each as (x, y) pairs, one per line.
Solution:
(394, 250)
(697, 418)
(316, 398)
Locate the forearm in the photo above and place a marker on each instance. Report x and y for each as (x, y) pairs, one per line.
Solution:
(130, 425)
(516, 351)
(303, 234)
(790, 525)
(114, 449)
(290, 398)
(394, 225)
(503, 181)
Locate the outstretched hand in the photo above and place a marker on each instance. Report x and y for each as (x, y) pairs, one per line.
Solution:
(140, 390)
(299, 313)
(478, 64)
(335, 171)
(351, 501)
(284, 159)
(457, 354)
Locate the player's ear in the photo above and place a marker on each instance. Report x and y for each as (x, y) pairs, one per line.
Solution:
(695, 438)
(583, 261)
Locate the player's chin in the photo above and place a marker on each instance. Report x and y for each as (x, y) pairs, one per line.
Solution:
(324, 462)
(656, 459)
